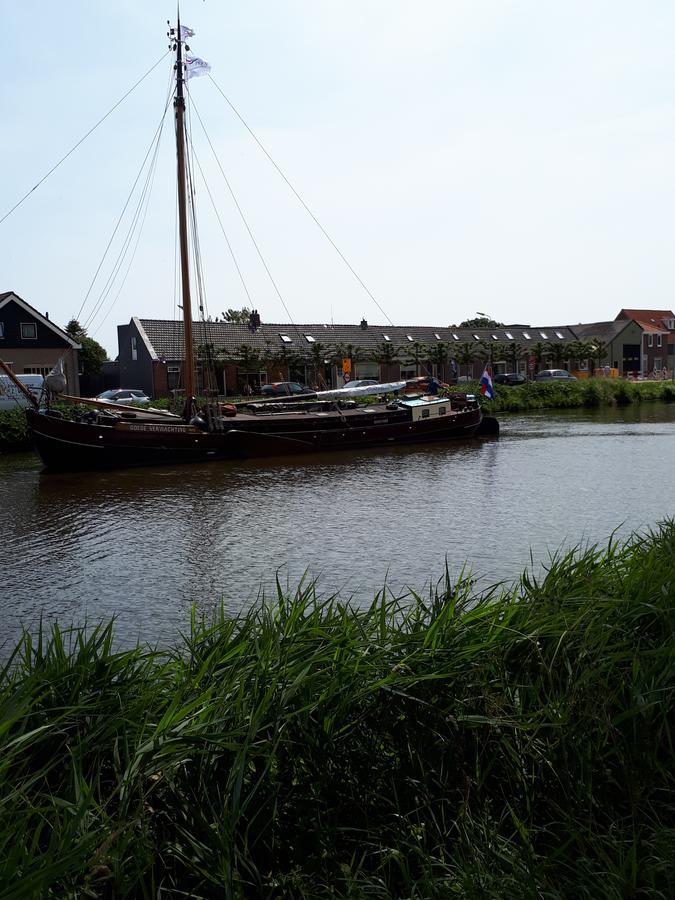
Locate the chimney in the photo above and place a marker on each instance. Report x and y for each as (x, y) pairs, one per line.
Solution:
(253, 320)
(46, 315)
(364, 325)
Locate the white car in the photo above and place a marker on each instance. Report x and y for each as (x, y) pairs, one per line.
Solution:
(10, 395)
(126, 396)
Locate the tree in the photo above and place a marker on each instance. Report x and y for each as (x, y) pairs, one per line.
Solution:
(599, 352)
(92, 355)
(248, 356)
(241, 316)
(417, 354)
(439, 354)
(539, 350)
(385, 354)
(514, 353)
(480, 322)
(557, 353)
(580, 351)
(466, 353)
(318, 354)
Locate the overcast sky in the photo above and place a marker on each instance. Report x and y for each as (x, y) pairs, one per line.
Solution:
(513, 158)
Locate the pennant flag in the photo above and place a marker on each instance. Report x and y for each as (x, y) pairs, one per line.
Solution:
(186, 32)
(195, 67)
(486, 388)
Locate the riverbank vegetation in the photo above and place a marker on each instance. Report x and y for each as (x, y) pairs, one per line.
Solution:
(513, 744)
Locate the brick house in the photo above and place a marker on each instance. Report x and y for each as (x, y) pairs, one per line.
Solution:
(657, 339)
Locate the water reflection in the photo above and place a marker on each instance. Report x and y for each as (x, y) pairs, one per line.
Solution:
(145, 544)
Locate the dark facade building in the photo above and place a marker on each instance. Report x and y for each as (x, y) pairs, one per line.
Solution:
(32, 345)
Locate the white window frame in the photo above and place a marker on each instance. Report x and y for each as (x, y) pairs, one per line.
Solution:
(659, 340)
(650, 340)
(32, 325)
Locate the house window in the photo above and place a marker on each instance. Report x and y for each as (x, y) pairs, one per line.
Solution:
(172, 377)
(285, 338)
(134, 351)
(494, 337)
(476, 337)
(386, 337)
(509, 335)
(28, 331)
(310, 339)
(37, 370)
(437, 336)
(544, 335)
(2, 329)
(410, 337)
(650, 340)
(455, 336)
(557, 334)
(527, 336)
(658, 340)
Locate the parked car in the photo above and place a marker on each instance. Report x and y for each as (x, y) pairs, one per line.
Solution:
(358, 382)
(510, 379)
(126, 396)
(554, 375)
(284, 388)
(10, 395)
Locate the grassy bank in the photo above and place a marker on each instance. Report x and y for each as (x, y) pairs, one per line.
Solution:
(517, 746)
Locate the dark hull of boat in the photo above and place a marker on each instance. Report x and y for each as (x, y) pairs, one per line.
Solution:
(65, 445)
(249, 443)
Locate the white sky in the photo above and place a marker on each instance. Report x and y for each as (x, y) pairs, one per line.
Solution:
(514, 158)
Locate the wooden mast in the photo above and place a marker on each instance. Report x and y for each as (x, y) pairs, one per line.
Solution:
(179, 105)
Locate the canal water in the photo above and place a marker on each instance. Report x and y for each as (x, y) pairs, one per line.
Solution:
(145, 545)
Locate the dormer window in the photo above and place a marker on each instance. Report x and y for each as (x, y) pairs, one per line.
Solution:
(28, 331)
(285, 338)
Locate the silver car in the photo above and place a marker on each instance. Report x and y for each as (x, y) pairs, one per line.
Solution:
(126, 396)
(554, 375)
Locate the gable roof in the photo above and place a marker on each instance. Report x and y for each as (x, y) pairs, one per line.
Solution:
(650, 320)
(606, 331)
(164, 338)
(10, 297)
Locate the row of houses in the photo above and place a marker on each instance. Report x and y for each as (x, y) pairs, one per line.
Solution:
(231, 356)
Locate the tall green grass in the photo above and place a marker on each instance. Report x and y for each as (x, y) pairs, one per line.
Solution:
(589, 392)
(518, 743)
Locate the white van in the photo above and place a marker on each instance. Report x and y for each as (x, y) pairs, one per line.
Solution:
(12, 398)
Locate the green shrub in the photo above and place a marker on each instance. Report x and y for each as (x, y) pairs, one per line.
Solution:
(13, 429)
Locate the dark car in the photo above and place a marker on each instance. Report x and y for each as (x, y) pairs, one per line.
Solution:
(284, 389)
(554, 375)
(126, 396)
(510, 379)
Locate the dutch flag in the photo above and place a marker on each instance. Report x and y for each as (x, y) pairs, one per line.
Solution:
(486, 388)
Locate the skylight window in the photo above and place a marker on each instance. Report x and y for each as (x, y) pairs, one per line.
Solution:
(527, 336)
(494, 337)
(386, 337)
(310, 339)
(509, 335)
(438, 337)
(476, 337)
(557, 334)
(285, 338)
(544, 335)
(409, 336)
(456, 336)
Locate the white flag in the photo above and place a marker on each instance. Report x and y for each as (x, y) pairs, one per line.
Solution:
(194, 66)
(186, 32)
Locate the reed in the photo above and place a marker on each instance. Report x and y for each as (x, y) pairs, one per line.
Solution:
(514, 743)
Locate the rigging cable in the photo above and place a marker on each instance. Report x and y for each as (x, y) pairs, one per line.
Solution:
(155, 139)
(246, 225)
(302, 202)
(82, 139)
